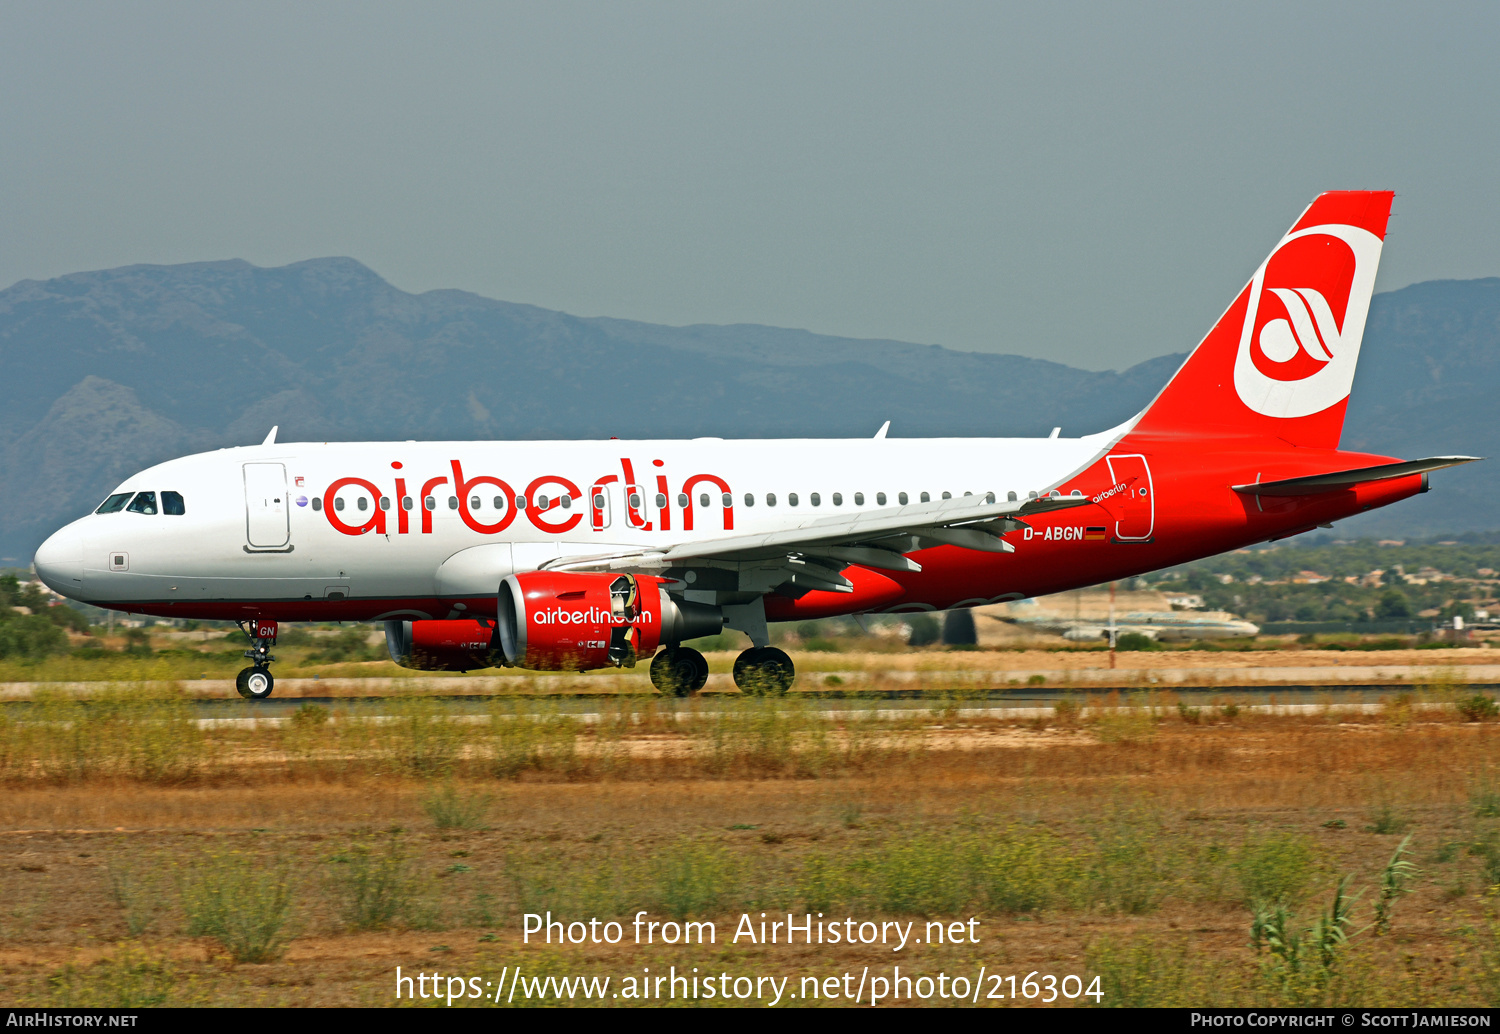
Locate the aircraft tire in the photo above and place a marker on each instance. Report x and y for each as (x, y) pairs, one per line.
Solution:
(764, 671)
(255, 683)
(679, 671)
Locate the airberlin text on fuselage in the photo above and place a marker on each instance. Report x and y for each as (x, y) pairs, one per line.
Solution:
(410, 507)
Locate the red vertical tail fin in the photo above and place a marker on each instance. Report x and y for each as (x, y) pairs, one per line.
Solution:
(1281, 360)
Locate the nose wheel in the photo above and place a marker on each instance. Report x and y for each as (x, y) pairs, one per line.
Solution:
(764, 671)
(256, 682)
(678, 671)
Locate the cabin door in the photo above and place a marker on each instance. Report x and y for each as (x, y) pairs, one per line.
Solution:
(266, 521)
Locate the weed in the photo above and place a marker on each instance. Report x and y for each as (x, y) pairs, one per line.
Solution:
(1485, 800)
(1125, 725)
(1477, 708)
(832, 680)
(1066, 712)
(691, 879)
(243, 902)
(137, 889)
(1273, 869)
(1395, 882)
(1229, 711)
(1386, 820)
(1143, 974)
(130, 978)
(1301, 962)
(1132, 869)
(310, 716)
(1335, 824)
(373, 887)
(1191, 715)
(450, 809)
(1036, 680)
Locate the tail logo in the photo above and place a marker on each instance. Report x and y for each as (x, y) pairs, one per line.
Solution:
(1305, 320)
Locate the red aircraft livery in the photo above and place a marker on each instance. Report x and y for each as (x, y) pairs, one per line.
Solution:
(576, 555)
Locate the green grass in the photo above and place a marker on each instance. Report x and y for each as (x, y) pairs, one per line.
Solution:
(243, 901)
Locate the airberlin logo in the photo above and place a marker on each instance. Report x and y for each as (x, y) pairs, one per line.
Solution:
(585, 616)
(1305, 319)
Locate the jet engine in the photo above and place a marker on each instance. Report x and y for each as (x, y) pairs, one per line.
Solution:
(554, 621)
(443, 645)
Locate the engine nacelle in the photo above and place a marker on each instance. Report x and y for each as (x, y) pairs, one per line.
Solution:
(551, 621)
(443, 645)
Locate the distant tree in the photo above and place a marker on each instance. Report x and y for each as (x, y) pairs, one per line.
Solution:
(31, 636)
(924, 630)
(958, 628)
(1393, 605)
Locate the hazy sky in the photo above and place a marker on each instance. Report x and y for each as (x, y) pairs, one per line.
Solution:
(1088, 183)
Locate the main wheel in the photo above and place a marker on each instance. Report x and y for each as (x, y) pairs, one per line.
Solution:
(764, 671)
(680, 671)
(254, 683)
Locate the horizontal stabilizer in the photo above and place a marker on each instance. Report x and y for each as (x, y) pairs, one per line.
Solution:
(1315, 483)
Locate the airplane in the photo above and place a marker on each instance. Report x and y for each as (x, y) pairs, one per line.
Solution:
(1164, 625)
(578, 555)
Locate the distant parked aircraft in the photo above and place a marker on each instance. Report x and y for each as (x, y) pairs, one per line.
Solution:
(1153, 624)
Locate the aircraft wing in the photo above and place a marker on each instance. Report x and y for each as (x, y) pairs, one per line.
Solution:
(1338, 479)
(870, 538)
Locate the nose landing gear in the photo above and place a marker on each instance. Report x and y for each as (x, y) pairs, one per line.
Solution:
(256, 682)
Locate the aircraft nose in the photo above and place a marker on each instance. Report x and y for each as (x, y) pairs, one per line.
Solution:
(59, 562)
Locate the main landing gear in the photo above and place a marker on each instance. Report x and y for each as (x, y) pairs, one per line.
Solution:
(764, 671)
(679, 670)
(255, 682)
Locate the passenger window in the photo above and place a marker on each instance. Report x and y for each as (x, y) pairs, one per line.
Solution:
(144, 502)
(682, 500)
(567, 502)
(499, 502)
(815, 499)
(385, 502)
(317, 504)
(362, 503)
(902, 498)
(727, 500)
(114, 503)
(859, 499)
(541, 502)
(338, 503)
(926, 498)
(635, 499)
(475, 503)
(453, 502)
(879, 498)
(1010, 497)
(429, 502)
(520, 502)
(599, 501)
(171, 504)
(791, 498)
(947, 495)
(406, 502)
(838, 499)
(703, 499)
(661, 501)
(770, 498)
(749, 499)
(989, 497)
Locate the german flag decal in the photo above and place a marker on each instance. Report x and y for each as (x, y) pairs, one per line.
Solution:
(1095, 534)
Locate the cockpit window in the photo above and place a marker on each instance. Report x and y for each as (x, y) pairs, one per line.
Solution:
(144, 502)
(113, 503)
(171, 504)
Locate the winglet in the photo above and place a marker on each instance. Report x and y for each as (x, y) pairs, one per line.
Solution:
(883, 429)
(271, 438)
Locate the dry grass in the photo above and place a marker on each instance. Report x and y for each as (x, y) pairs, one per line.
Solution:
(1133, 848)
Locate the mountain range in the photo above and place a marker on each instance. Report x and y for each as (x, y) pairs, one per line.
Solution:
(102, 373)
